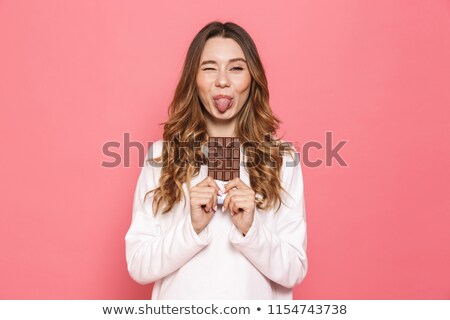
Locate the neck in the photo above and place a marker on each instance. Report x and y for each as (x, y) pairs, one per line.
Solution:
(220, 128)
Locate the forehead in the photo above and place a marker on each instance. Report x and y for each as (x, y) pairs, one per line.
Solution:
(221, 49)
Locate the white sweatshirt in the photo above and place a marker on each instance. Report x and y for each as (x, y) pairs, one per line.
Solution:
(219, 262)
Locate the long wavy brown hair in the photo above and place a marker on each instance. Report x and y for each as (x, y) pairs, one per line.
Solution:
(185, 131)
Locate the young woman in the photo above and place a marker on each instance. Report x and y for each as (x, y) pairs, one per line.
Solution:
(254, 245)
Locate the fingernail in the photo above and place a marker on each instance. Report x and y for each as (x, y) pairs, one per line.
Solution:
(220, 192)
(215, 207)
(223, 209)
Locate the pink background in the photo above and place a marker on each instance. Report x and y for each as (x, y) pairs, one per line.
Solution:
(77, 74)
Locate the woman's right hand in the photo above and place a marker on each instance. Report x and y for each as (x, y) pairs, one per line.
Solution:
(203, 203)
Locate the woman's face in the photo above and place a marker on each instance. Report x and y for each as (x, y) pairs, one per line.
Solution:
(223, 79)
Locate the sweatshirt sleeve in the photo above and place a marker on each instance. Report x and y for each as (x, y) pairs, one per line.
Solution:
(280, 252)
(153, 253)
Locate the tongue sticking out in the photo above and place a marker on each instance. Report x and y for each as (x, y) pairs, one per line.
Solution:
(223, 104)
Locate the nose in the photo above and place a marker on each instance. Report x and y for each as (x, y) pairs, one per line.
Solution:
(222, 80)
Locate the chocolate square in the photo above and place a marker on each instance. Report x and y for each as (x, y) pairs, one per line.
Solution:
(224, 157)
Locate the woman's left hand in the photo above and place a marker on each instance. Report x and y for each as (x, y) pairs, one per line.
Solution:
(241, 202)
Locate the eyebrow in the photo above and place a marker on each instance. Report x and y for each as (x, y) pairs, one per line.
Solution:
(229, 61)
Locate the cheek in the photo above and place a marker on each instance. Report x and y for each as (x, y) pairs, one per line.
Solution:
(202, 90)
(244, 84)
(202, 85)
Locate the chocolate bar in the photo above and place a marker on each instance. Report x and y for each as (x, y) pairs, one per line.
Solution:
(224, 155)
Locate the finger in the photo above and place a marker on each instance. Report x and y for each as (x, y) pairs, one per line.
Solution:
(235, 183)
(239, 205)
(204, 193)
(210, 182)
(241, 192)
(214, 205)
(210, 190)
(199, 200)
(236, 208)
(210, 193)
(203, 201)
(241, 199)
(208, 206)
(230, 201)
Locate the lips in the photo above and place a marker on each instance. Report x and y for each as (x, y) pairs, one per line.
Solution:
(223, 102)
(222, 96)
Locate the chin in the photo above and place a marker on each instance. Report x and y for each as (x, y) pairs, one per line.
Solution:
(227, 115)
